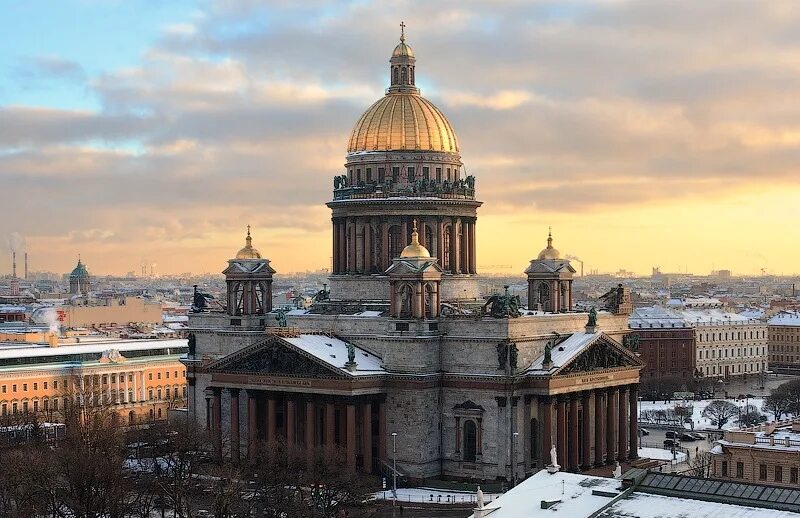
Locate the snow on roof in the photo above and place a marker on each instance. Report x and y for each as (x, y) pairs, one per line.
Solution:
(645, 505)
(8, 351)
(333, 351)
(573, 490)
(785, 318)
(564, 352)
(658, 317)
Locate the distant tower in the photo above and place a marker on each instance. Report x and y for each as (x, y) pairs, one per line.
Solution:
(79, 281)
(249, 281)
(550, 281)
(414, 282)
(26, 265)
(13, 265)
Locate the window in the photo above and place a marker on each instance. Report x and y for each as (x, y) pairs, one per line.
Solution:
(4, 389)
(55, 404)
(395, 174)
(35, 386)
(470, 441)
(358, 176)
(150, 376)
(792, 474)
(24, 407)
(14, 408)
(176, 374)
(45, 385)
(105, 379)
(55, 384)
(46, 405)
(167, 392)
(24, 387)
(778, 473)
(381, 174)
(167, 374)
(35, 406)
(369, 175)
(426, 173)
(4, 410)
(762, 472)
(724, 468)
(438, 174)
(150, 394)
(159, 375)
(130, 378)
(159, 393)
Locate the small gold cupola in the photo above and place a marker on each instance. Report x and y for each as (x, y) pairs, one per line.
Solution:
(415, 249)
(248, 252)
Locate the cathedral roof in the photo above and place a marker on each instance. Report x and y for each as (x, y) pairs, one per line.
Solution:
(403, 119)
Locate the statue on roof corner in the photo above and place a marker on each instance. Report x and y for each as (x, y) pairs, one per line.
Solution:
(592, 318)
(503, 306)
(351, 353)
(280, 318)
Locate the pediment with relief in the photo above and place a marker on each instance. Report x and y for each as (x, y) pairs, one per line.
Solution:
(601, 355)
(273, 357)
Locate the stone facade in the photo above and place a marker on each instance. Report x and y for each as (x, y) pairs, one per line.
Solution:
(767, 454)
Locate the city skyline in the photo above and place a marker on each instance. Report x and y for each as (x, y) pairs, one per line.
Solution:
(640, 147)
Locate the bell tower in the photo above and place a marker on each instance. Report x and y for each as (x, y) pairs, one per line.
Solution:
(550, 281)
(414, 282)
(249, 282)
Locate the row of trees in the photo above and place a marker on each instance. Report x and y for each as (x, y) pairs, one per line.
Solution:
(100, 469)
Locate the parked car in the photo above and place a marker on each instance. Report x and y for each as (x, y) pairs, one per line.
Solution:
(644, 431)
(687, 436)
(672, 434)
(697, 436)
(670, 443)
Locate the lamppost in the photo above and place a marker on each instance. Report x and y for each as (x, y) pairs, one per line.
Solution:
(394, 468)
(514, 461)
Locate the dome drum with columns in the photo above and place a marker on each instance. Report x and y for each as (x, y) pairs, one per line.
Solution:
(248, 279)
(403, 163)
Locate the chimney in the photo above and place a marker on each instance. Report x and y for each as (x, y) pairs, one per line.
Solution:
(14, 265)
(26, 265)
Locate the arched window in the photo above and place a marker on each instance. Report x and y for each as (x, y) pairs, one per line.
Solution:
(544, 296)
(403, 76)
(405, 300)
(430, 297)
(411, 74)
(131, 417)
(395, 78)
(396, 244)
(470, 441)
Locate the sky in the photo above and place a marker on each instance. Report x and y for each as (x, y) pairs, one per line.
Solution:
(644, 133)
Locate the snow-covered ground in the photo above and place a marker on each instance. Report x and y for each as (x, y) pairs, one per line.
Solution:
(701, 422)
(436, 496)
(660, 454)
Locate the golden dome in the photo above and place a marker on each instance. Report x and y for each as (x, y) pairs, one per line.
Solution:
(403, 50)
(403, 121)
(549, 252)
(415, 249)
(248, 252)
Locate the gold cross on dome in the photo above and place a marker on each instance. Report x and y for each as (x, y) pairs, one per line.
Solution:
(402, 31)
(248, 230)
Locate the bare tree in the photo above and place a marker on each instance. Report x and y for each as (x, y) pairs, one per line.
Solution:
(700, 465)
(777, 403)
(721, 412)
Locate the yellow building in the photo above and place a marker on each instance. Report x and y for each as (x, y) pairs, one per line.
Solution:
(109, 312)
(141, 379)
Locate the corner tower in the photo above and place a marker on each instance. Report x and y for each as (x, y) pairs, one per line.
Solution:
(403, 163)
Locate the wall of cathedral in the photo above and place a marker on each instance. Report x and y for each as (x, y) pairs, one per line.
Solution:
(414, 413)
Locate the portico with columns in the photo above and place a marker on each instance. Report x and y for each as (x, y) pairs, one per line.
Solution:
(283, 388)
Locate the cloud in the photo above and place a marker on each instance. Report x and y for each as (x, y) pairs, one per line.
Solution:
(241, 113)
(40, 69)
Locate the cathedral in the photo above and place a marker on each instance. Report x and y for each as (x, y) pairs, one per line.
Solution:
(402, 349)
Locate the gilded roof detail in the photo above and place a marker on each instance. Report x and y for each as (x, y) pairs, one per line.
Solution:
(403, 121)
